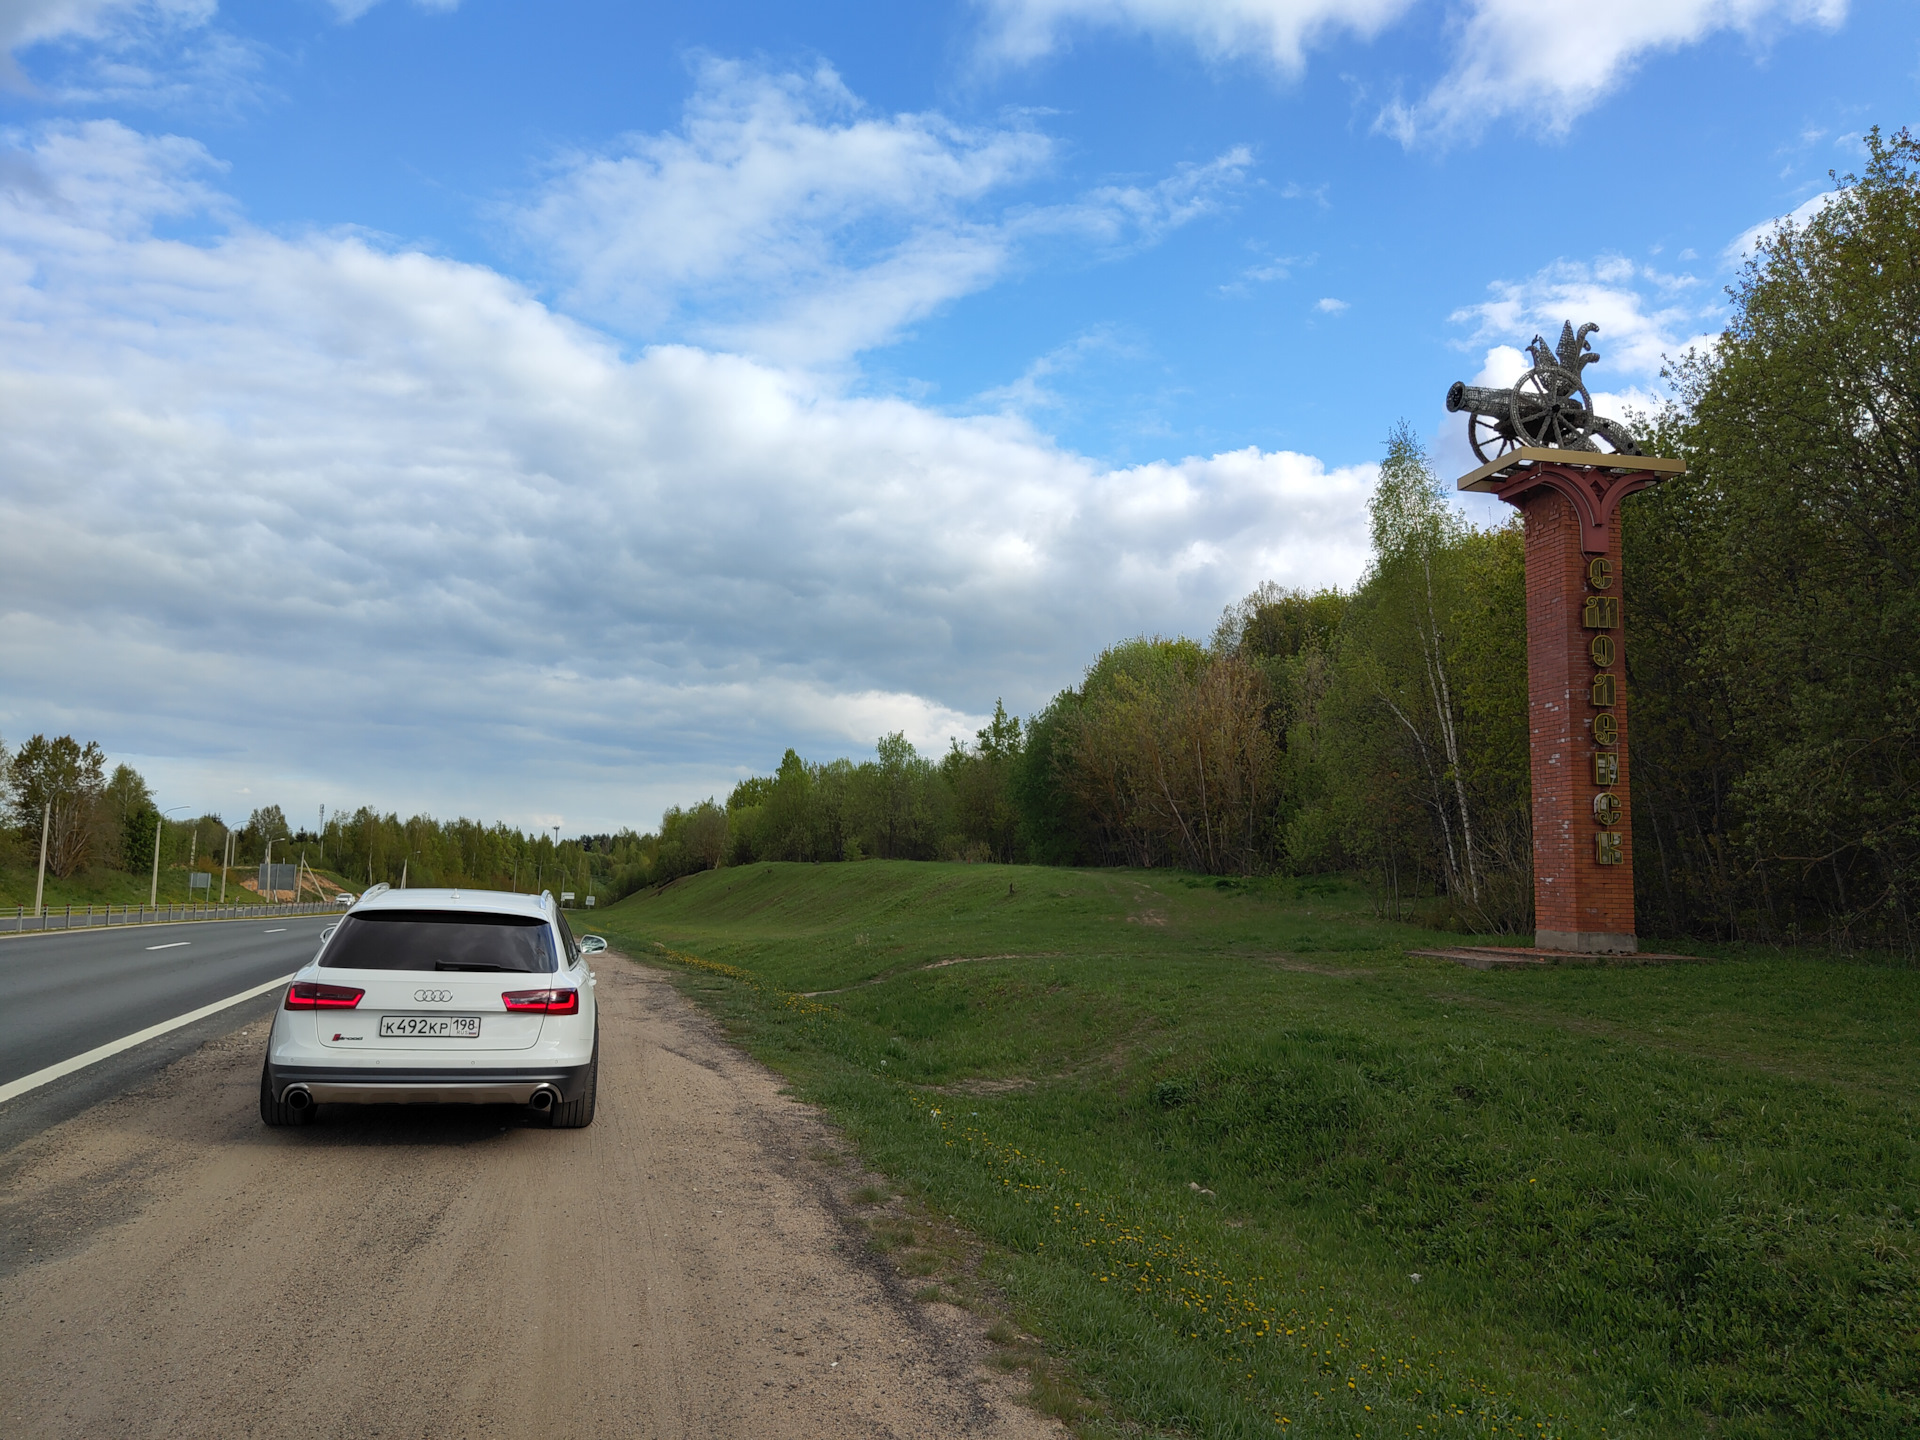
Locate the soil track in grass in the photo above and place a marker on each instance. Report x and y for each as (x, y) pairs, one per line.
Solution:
(1255, 1170)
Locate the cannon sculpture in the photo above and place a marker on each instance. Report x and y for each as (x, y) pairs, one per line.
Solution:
(1548, 407)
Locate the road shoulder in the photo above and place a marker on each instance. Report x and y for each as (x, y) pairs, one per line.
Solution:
(688, 1266)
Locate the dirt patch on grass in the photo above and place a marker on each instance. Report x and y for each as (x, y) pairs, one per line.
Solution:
(1011, 1085)
(1287, 962)
(976, 959)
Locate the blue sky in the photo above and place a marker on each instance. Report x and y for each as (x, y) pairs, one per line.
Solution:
(549, 412)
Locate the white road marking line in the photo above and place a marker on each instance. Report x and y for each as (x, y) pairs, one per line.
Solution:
(139, 1037)
(174, 945)
(281, 931)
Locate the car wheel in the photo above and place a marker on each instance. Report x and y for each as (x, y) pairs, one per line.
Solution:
(578, 1114)
(273, 1112)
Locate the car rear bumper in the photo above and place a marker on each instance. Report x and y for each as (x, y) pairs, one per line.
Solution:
(337, 1084)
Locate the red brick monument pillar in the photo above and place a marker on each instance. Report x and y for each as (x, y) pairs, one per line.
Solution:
(1576, 687)
(1546, 462)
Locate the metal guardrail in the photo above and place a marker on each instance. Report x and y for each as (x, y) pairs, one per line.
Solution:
(92, 917)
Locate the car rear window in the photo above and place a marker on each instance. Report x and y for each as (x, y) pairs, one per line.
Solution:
(438, 940)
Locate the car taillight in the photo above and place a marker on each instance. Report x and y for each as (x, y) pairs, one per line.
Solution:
(542, 1002)
(308, 996)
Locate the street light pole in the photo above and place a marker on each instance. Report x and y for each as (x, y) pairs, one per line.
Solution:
(40, 885)
(159, 824)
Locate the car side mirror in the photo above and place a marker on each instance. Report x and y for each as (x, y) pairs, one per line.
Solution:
(327, 934)
(592, 944)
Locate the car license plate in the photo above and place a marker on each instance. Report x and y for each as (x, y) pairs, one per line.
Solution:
(431, 1027)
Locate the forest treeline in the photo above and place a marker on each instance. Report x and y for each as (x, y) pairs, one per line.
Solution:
(94, 820)
(1772, 649)
(1772, 663)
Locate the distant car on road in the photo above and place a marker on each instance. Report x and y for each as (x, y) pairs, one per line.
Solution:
(345, 897)
(472, 997)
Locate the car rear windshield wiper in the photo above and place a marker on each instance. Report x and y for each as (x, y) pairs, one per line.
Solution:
(472, 965)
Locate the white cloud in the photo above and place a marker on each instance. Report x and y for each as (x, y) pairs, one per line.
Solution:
(1330, 306)
(1514, 58)
(338, 522)
(142, 52)
(1643, 314)
(783, 220)
(1031, 392)
(1276, 31)
(793, 221)
(351, 10)
(1742, 247)
(1510, 56)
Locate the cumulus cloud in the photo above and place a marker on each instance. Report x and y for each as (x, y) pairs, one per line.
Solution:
(1644, 314)
(1511, 58)
(280, 509)
(785, 220)
(1276, 31)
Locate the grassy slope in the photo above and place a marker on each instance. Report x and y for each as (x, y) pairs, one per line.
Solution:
(101, 886)
(1641, 1200)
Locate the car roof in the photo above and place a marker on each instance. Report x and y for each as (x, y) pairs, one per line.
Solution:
(488, 902)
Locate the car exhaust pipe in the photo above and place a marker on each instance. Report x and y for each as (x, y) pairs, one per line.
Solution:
(298, 1098)
(542, 1099)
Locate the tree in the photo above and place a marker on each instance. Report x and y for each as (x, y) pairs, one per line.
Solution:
(1404, 658)
(269, 823)
(691, 840)
(981, 779)
(1167, 755)
(127, 818)
(62, 779)
(1790, 562)
(899, 813)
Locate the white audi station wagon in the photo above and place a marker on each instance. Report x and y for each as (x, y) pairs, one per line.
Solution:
(474, 997)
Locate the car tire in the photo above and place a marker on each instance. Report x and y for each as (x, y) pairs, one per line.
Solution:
(578, 1114)
(273, 1112)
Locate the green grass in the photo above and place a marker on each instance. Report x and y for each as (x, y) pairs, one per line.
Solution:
(101, 885)
(1659, 1201)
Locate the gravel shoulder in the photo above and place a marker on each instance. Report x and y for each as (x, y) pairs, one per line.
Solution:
(688, 1266)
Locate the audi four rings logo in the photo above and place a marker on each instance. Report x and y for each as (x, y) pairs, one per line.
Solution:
(441, 996)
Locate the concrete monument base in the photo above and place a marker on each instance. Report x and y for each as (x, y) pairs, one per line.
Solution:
(1515, 957)
(1586, 942)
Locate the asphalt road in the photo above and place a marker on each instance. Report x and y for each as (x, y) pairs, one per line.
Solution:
(66, 993)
